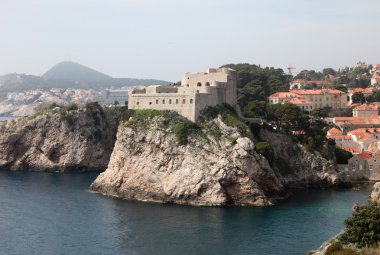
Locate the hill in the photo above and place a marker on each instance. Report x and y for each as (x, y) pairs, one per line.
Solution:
(71, 71)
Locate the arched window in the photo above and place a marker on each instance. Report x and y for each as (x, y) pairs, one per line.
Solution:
(199, 84)
(207, 84)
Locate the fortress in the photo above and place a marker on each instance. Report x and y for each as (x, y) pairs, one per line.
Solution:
(197, 91)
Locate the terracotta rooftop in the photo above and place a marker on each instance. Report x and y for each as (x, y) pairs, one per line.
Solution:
(371, 120)
(364, 91)
(335, 131)
(365, 155)
(352, 149)
(283, 95)
(299, 101)
(366, 107)
(316, 91)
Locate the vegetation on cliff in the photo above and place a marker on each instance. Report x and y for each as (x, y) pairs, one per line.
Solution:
(182, 128)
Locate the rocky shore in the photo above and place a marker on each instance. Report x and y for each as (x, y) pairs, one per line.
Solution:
(64, 140)
(217, 166)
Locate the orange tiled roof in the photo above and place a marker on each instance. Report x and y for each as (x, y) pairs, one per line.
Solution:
(366, 107)
(335, 131)
(364, 91)
(370, 120)
(316, 91)
(353, 149)
(365, 155)
(283, 95)
(338, 137)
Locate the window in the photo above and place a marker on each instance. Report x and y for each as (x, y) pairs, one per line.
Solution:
(157, 101)
(138, 103)
(163, 101)
(370, 167)
(150, 103)
(199, 84)
(197, 91)
(207, 84)
(191, 101)
(170, 101)
(176, 101)
(187, 85)
(184, 101)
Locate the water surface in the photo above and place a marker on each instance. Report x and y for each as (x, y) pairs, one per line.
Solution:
(52, 213)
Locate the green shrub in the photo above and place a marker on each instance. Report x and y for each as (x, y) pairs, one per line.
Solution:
(183, 129)
(72, 107)
(94, 106)
(363, 227)
(335, 247)
(266, 150)
(346, 251)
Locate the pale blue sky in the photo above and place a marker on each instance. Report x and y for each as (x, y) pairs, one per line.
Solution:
(163, 39)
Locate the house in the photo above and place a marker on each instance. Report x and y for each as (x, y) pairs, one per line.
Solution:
(302, 83)
(309, 99)
(347, 124)
(366, 92)
(365, 110)
(197, 91)
(365, 165)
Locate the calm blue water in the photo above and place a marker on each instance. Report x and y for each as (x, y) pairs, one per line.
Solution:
(44, 213)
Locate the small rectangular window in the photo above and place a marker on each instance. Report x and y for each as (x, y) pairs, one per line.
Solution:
(176, 101)
(163, 101)
(191, 101)
(170, 101)
(157, 101)
(184, 101)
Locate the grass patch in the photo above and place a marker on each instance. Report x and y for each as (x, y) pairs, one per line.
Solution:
(229, 117)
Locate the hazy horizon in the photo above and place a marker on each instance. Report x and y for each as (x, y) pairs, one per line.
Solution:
(164, 39)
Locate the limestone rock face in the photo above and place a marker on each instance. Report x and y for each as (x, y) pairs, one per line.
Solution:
(299, 168)
(375, 195)
(79, 140)
(150, 165)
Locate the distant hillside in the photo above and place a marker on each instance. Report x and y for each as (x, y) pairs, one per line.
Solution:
(70, 71)
(69, 75)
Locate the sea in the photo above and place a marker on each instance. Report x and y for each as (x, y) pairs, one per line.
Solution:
(55, 213)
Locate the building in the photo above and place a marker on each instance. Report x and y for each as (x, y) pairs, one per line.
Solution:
(116, 97)
(375, 80)
(302, 84)
(365, 110)
(197, 91)
(347, 124)
(309, 99)
(366, 92)
(366, 165)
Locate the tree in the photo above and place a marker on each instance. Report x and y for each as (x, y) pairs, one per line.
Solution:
(328, 71)
(358, 97)
(256, 109)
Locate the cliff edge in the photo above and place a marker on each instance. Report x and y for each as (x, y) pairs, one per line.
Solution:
(161, 157)
(61, 139)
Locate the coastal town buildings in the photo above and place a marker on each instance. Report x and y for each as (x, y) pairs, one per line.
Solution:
(197, 91)
(302, 84)
(366, 110)
(309, 99)
(366, 92)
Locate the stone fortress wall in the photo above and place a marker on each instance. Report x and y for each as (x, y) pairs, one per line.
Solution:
(197, 91)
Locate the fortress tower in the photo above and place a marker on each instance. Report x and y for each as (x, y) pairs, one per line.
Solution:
(217, 86)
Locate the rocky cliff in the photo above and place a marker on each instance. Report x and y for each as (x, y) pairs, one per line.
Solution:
(158, 157)
(65, 140)
(299, 168)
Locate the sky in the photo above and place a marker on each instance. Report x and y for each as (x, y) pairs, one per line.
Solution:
(163, 39)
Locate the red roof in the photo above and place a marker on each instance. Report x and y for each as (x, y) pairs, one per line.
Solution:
(352, 149)
(364, 91)
(300, 101)
(366, 107)
(283, 95)
(365, 155)
(316, 91)
(335, 131)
